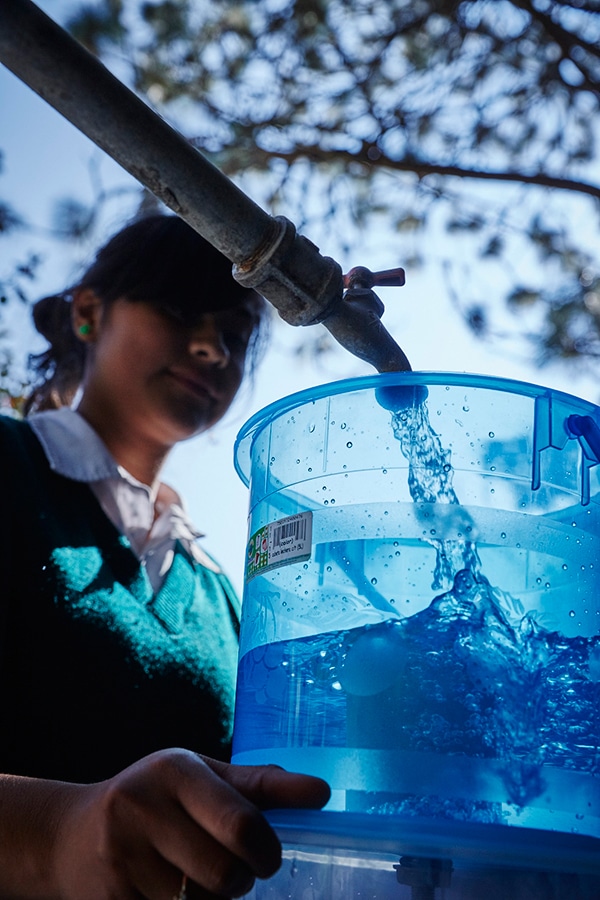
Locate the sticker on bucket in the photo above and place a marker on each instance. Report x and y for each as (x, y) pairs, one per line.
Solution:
(279, 543)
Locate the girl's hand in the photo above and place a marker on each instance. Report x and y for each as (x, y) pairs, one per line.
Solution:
(175, 812)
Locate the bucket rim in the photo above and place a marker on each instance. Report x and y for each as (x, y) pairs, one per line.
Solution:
(242, 450)
(482, 844)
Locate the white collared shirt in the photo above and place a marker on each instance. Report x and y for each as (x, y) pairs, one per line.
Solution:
(151, 522)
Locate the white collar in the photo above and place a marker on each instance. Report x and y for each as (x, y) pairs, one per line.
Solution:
(72, 446)
(75, 450)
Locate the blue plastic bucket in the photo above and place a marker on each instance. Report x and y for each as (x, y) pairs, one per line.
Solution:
(421, 609)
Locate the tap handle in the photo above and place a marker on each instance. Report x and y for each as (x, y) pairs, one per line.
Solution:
(361, 277)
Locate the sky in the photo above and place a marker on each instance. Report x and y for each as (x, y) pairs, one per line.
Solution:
(45, 158)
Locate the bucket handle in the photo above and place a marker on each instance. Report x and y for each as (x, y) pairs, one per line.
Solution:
(554, 425)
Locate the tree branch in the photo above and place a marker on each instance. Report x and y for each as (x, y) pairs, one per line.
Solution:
(370, 155)
(566, 41)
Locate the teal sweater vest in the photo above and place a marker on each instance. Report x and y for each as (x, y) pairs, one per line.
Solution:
(96, 670)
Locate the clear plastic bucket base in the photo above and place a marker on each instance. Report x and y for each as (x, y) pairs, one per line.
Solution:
(331, 856)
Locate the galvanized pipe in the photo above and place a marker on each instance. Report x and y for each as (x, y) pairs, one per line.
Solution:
(267, 253)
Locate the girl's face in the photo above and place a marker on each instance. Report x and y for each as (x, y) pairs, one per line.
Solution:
(163, 380)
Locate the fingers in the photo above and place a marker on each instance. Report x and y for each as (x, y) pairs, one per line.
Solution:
(270, 787)
(234, 843)
(234, 838)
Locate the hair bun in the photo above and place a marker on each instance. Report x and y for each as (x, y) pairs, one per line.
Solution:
(59, 368)
(52, 317)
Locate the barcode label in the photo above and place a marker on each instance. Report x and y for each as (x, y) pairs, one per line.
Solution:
(279, 543)
(290, 531)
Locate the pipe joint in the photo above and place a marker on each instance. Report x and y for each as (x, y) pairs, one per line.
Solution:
(289, 271)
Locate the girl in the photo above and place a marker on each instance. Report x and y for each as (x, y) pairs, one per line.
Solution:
(118, 634)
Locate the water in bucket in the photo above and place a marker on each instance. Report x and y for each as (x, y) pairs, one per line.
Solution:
(421, 612)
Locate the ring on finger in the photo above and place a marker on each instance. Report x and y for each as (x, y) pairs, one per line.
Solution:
(182, 895)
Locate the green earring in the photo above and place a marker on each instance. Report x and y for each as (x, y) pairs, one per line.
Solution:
(85, 329)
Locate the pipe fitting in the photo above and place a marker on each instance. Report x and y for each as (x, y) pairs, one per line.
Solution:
(289, 271)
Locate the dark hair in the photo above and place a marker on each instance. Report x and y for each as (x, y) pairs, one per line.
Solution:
(158, 259)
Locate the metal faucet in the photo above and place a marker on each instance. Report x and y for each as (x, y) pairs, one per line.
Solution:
(266, 252)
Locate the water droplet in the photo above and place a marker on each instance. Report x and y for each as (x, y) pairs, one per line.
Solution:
(311, 427)
(343, 426)
(571, 613)
(565, 567)
(328, 569)
(373, 581)
(491, 434)
(502, 534)
(349, 445)
(465, 409)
